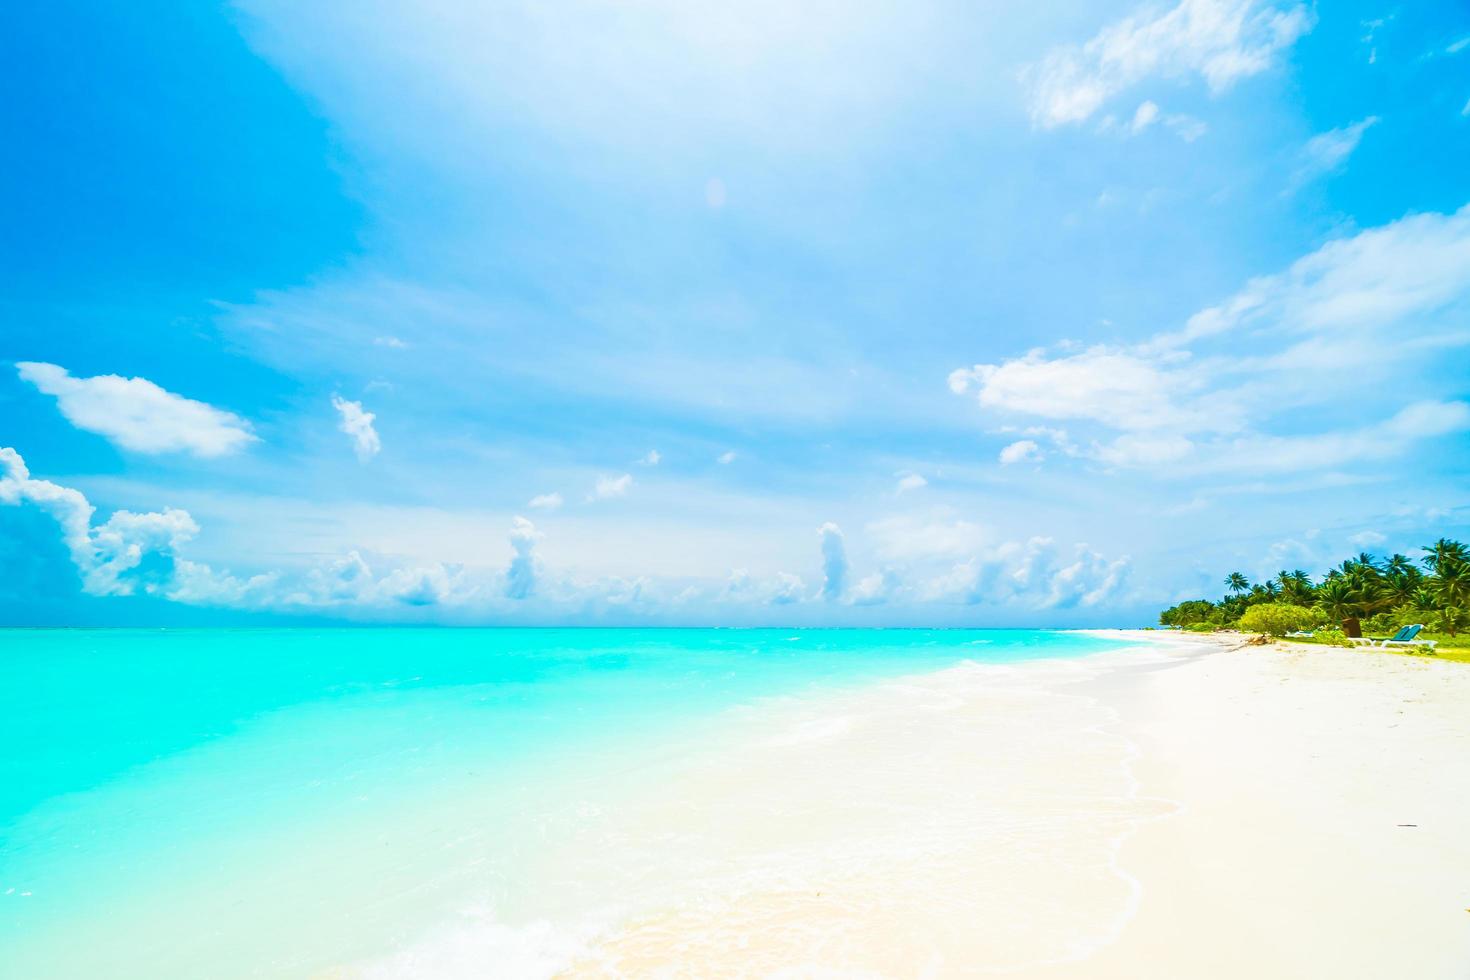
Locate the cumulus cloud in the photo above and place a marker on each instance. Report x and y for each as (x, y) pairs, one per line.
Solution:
(781, 589)
(610, 486)
(545, 501)
(787, 589)
(1340, 323)
(877, 588)
(127, 553)
(1034, 574)
(1087, 581)
(1367, 539)
(357, 424)
(520, 578)
(1219, 41)
(934, 559)
(834, 561)
(137, 414)
(1327, 153)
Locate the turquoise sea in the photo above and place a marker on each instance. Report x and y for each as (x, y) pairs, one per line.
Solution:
(233, 803)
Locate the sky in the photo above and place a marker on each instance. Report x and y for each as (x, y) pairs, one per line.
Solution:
(678, 313)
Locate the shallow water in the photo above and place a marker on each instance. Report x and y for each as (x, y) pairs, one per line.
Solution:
(283, 802)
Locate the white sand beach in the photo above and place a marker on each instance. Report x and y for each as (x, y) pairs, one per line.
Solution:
(1175, 809)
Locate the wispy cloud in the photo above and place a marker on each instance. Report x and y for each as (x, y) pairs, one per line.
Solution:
(1019, 451)
(1327, 153)
(1220, 41)
(1331, 326)
(357, 424)
(610, 486)
(910, 481)
(545, 501)
(137, 414)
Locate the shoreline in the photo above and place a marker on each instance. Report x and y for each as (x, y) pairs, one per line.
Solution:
(1156, 811)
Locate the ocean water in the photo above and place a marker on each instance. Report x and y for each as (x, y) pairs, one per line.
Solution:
(249, 803)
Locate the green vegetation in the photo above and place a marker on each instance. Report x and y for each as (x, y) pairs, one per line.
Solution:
(1363, 593)
(1277, 618)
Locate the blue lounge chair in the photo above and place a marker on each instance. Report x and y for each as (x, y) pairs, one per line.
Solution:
(1406, 638)
(1403, 638)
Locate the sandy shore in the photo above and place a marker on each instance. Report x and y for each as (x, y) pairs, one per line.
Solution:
(1323, 828)
(1176, 809)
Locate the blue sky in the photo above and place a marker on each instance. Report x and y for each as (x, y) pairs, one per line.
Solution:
(659, 312)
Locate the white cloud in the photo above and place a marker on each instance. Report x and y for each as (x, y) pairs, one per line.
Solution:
(113, 558)
(1115, 386)
(1410, 267)
(652, 459)
(546, 501)
(935, 534)
(726, 458)
(875, 589)
(834, 561)
(1220, 41)
(1030, 574)
(358, 425)
(520, 578)
(1367, 539)
(1327, 153)
(137, 414)
(610, 486)
(392, 342)
(787, 589)
(1339, 330)
(1019, 451)
(1145, 116)
(911, 481)
(1088, 581)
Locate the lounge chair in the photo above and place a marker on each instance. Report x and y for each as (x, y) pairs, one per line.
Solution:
(1403, 638)
(1406, 638)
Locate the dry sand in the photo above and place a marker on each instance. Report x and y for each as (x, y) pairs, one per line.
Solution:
(1324, 828)
(1180, 810)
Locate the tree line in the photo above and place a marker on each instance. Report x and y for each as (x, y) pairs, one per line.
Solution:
(1379, 594)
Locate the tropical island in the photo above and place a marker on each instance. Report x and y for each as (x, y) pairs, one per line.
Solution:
(1364, 597)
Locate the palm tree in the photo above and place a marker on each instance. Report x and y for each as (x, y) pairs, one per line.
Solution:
(1452, 584)
(1340, 601)
(1424, 598)
(1301, 587)
(1399, 587)
(1237, 583)
(1399, 565)
(1452, 620)
(1445, 552)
